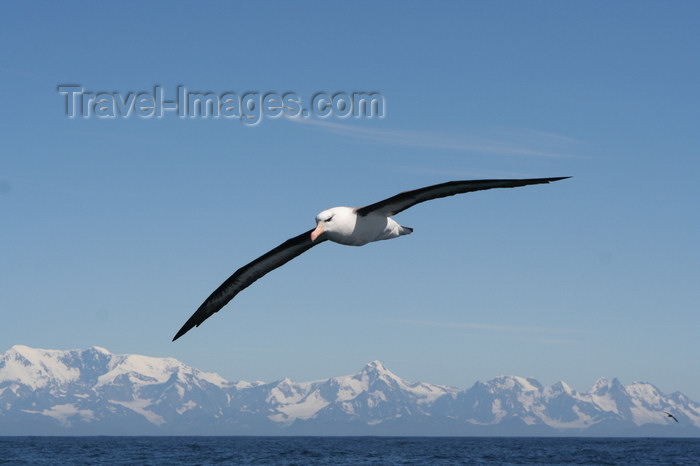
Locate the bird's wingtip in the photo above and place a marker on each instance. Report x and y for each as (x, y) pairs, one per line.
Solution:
(182, 331)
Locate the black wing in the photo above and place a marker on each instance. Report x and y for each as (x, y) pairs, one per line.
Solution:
(406, 199)
(671, 416)
(247, 274)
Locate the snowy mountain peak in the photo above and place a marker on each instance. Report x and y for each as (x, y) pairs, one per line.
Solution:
(21, 348)
(377, 369)
(30, 354)
(98, 349)
(35, 367)
(603, 385)
(92, 391)
(376, 365)
(561, 387)
(512, 382)
(365, 380)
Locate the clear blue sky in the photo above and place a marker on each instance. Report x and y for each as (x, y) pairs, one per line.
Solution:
(113, 231)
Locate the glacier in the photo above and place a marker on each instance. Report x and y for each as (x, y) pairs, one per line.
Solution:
(95, 392)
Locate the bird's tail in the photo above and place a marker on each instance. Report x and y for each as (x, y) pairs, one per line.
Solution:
(405, 230)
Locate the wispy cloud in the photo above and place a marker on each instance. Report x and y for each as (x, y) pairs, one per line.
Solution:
(544, 335)
(5, 186)
(498, 328)
(522, 142)
(96, 193)
(462, 173)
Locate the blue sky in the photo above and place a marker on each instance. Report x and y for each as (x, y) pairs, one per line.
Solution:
(113, 231)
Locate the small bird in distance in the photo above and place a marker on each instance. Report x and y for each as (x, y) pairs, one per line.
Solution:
(671, 416)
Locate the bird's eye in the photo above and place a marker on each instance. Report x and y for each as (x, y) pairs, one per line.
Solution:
(328, 219)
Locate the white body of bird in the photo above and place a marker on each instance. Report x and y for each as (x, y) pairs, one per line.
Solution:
(342, 225)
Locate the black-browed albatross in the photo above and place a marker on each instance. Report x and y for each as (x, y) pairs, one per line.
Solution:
(352, 226)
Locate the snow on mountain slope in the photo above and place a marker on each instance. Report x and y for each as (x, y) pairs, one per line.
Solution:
(374, 393)
(375, 378)
(89, 385)
(605, 394)
(93, 391)
(36, 368)
(144, 369)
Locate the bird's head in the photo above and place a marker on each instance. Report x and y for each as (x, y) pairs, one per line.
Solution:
(335, 221)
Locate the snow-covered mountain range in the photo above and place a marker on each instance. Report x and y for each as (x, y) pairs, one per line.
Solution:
(92, 391)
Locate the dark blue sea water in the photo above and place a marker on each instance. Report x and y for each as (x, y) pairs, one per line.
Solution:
(344, 450)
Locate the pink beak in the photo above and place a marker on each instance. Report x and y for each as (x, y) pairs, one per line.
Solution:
(317, 231)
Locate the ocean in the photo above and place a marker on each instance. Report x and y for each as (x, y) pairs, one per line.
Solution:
(345, 450)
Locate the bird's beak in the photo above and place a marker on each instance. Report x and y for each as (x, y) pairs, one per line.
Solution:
(317, 231)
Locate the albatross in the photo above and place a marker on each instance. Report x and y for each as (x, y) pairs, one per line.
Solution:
(351, 226)
(671, 416)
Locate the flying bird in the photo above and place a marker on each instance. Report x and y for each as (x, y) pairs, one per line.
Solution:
(671, 416)
(351, 226)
